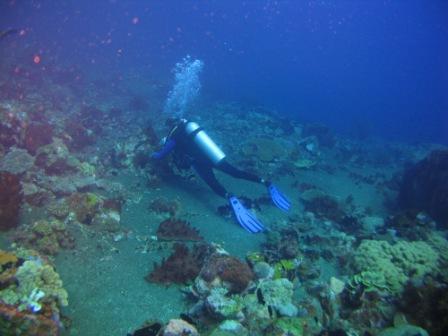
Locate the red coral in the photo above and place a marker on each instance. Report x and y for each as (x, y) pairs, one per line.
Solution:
(177, 229)
(79, 136)
(181, 266)
(37, 135)
(162, 205)
(15, 322)
(10, 200)
(234, 272)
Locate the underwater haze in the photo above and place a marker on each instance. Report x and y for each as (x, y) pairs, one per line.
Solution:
(223, 168)
(377, 67)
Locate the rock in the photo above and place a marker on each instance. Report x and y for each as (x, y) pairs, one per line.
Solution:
(107, 221)
(404, 330)
(178, 327)
(278, 294)
(222, 306)
(35, 195)
(17, 161)
(336, 285)
(230, 328)
(425, 186)
(263, 270)
(288, 310)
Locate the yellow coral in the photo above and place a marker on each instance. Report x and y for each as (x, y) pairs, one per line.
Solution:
(394, 264)
(6, 257)
(35, 275)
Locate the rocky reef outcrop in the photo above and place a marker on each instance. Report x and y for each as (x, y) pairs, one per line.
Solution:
(425, 186)
(10, 200)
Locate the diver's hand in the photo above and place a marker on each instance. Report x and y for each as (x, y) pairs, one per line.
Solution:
(166, 149)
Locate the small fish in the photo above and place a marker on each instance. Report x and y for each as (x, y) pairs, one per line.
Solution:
(260, 297)
(270, 311)
(4, 33)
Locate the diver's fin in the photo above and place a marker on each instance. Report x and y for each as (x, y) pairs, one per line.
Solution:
(279, 199)
(244, 217)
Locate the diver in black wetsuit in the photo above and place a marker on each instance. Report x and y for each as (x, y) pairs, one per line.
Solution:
(192, 147)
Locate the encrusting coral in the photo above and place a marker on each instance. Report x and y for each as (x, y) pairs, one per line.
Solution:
(388, 267)
(85, 206)
(46, 236)
(30, 304)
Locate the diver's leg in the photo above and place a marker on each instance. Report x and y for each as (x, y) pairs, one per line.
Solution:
(206, 173)
(227, 168)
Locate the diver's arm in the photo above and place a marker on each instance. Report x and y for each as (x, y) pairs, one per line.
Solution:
(165, 150)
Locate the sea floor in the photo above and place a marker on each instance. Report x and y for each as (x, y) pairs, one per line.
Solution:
(98, 152)
(105, 279)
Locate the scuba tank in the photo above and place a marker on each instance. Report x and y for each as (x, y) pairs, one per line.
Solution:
(207, 146)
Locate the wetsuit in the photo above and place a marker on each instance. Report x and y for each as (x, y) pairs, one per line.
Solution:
(191, 147)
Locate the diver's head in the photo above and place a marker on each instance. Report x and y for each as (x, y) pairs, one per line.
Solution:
(173, 122)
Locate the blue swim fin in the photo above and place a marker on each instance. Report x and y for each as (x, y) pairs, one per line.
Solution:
(244, 217)
(279, 199)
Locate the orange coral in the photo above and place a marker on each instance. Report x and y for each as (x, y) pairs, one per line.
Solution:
(25, 323)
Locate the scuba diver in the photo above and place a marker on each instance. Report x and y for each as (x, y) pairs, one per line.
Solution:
(192, 147)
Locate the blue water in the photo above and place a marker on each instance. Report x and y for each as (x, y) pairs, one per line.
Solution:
(364, 68)
(86, 88)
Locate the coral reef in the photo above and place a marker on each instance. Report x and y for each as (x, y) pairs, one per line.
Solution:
(278, 294)
(46, 236)
(55, 159)
(425, 186)
(37, 135)
(177, 229)
(410, 224)
(432, 302)
(16, 161)
(322, 205)
(178, 327)
(85, 206)
(8, 267)
(30, 304)
(282, 244)
(79, 136)
(182, 266)
(222, 306)
(230, 328)
(12, 126)
(383, 266)
(227, 271)
(10, 200)
(24, 323)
